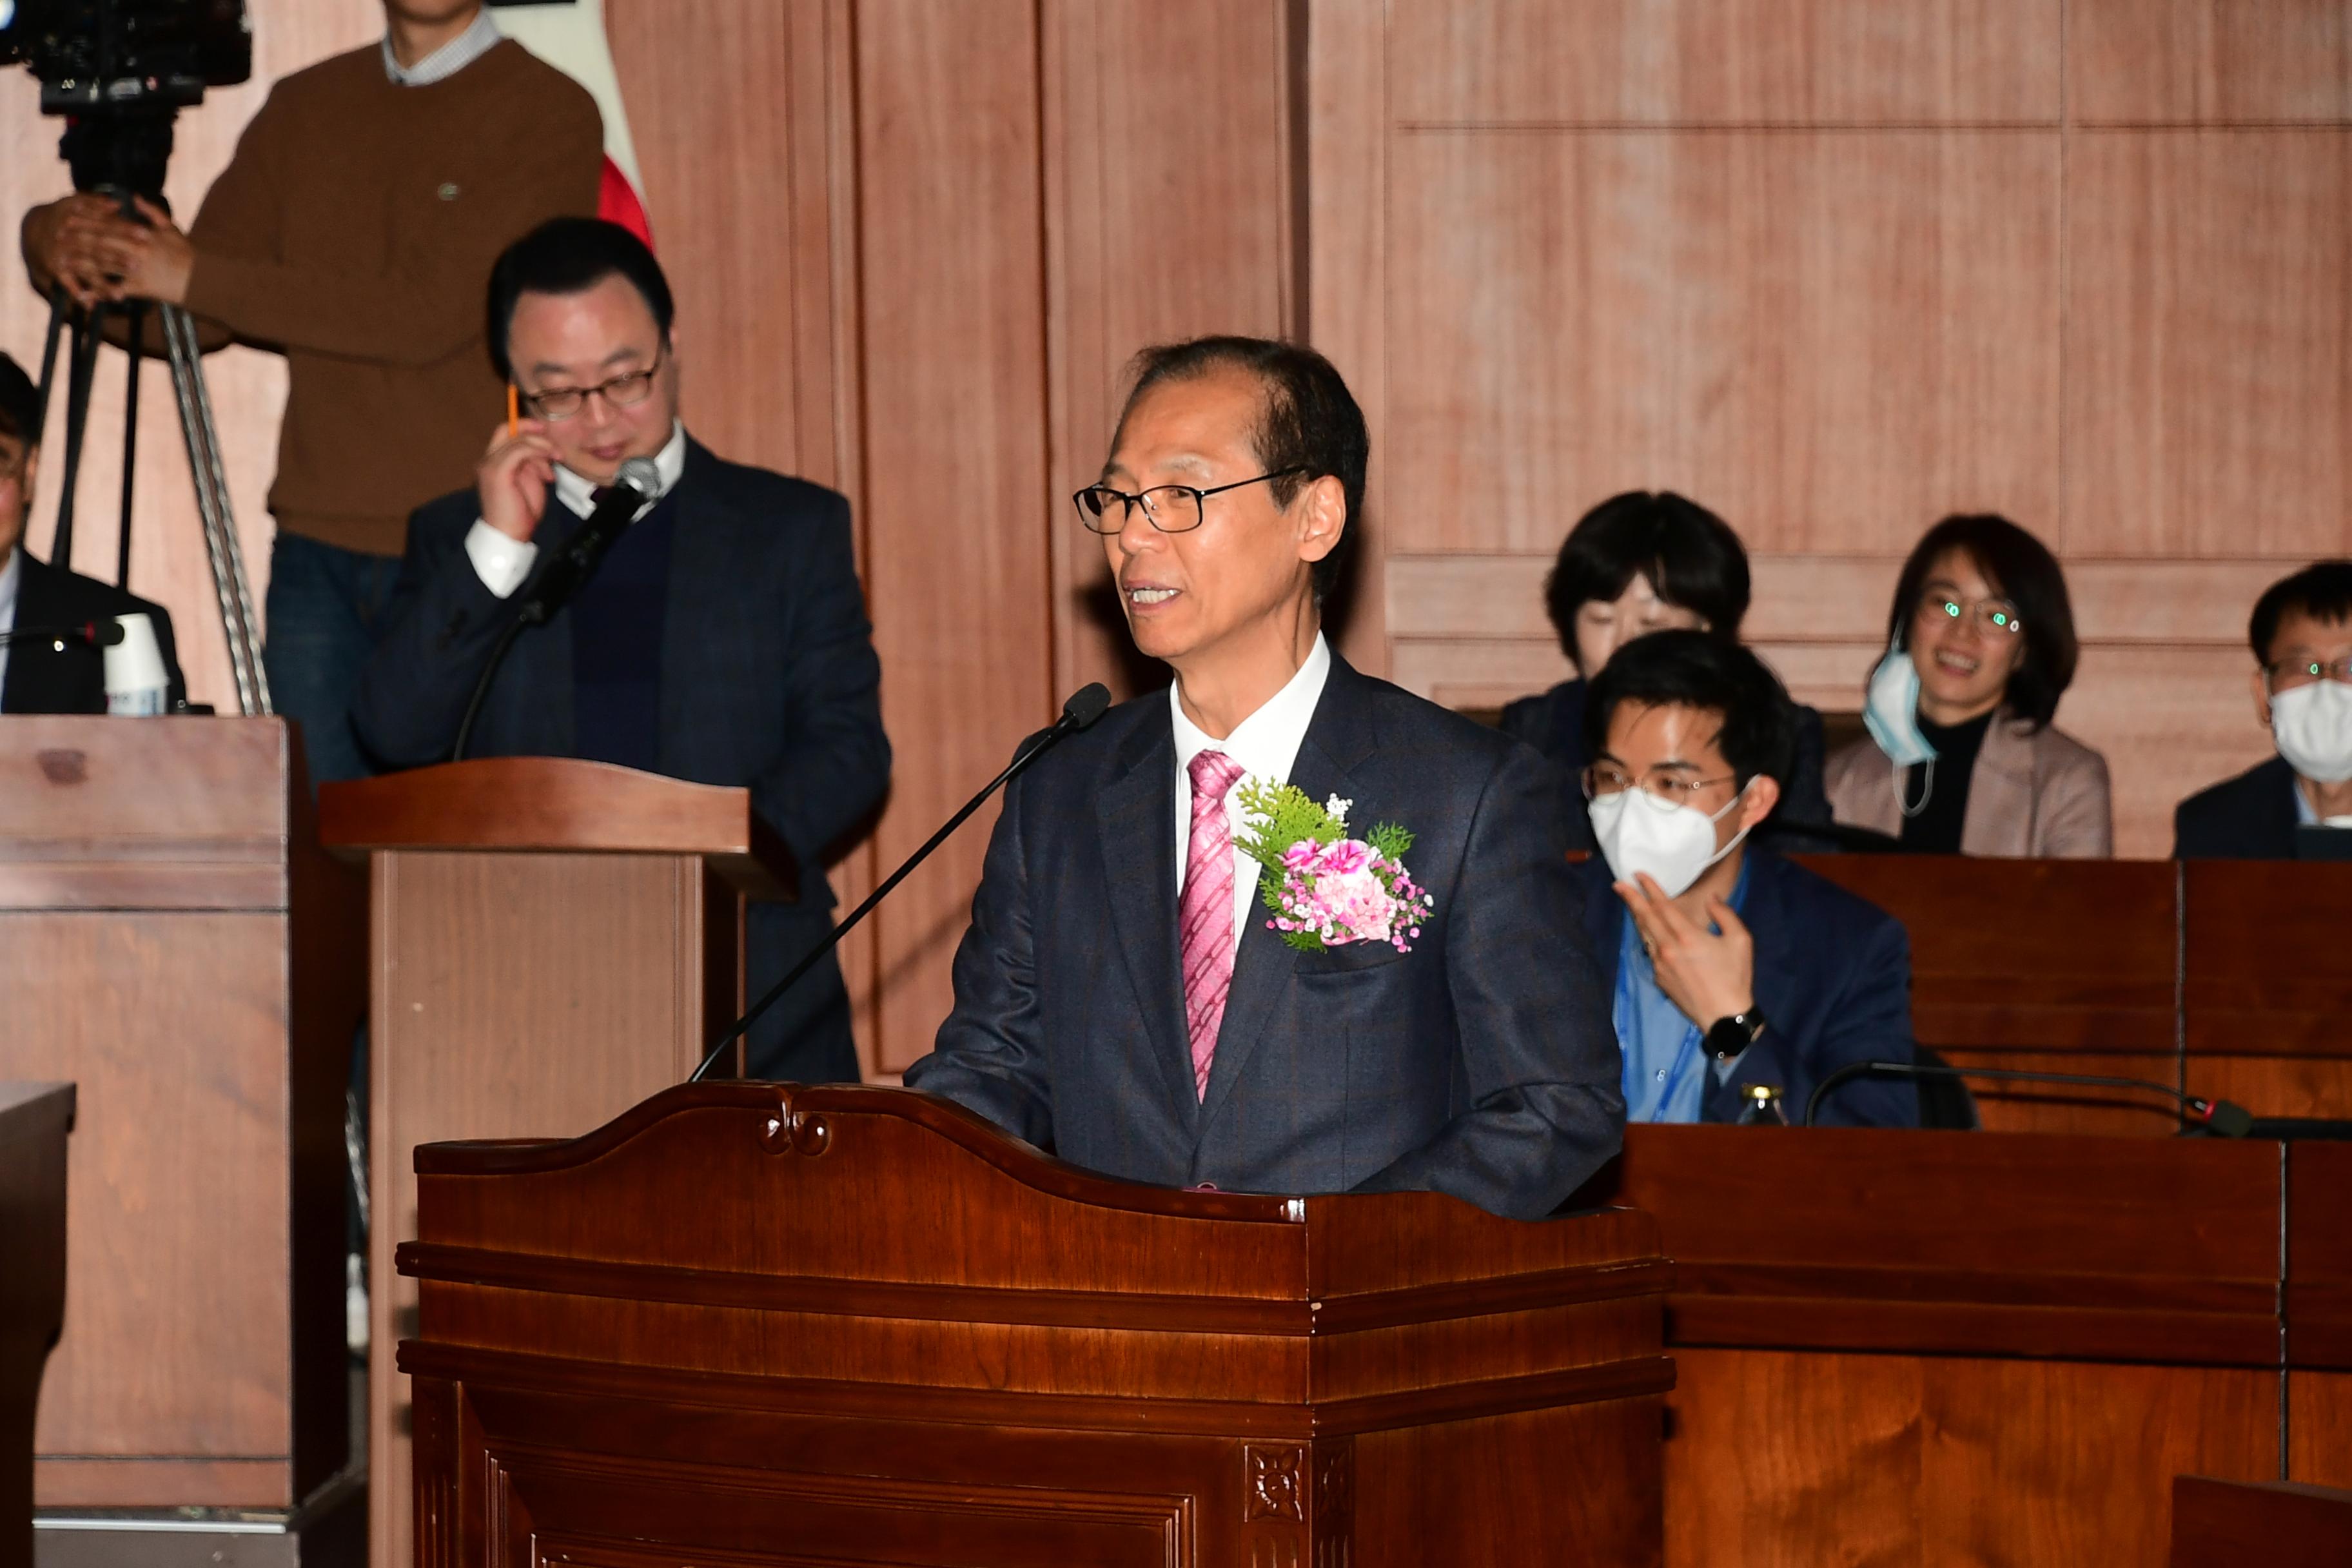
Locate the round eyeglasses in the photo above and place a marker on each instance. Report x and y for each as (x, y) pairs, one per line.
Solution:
(1993, 618)
(1663, 789)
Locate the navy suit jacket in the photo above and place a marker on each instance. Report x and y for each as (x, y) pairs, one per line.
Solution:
(1832, 979)
(1479, 1063)
(768, 681)
(46, 678)
(2249, 817)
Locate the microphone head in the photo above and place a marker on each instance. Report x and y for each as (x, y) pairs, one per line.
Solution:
(2228, 1120)
(640, 475)
(1089, 704)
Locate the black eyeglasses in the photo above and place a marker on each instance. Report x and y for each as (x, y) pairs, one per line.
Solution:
(1171, 509)
(626, 390)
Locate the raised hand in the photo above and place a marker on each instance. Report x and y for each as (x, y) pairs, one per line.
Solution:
(1709, 974)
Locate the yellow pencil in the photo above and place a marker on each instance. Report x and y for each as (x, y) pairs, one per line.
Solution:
(511, 411)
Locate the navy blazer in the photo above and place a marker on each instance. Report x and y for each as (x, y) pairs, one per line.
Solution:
(2249, 817)
(1479, 1063)
(1833, 979)
(46, 678)
(768, 681)
(1553, 723)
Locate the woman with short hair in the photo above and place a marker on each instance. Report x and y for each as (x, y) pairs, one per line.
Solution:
(1962, 757)
(1643, 562)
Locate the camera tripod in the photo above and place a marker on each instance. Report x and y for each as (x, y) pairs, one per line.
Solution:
(238, 625)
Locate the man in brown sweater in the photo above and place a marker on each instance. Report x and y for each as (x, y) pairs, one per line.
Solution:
(353, 232)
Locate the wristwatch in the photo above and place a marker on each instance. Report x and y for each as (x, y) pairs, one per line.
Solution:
(1727, 1038)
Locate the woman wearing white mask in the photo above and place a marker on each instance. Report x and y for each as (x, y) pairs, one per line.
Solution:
(1729, 967)
(2301, 635)
(1962, 757)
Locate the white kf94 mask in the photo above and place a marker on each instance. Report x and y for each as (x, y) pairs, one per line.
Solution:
(1674, 843)
(2313, 726)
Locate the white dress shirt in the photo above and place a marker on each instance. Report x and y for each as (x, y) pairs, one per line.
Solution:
(502, 563)
(1265, 744)
(10, 575)
(479, 38)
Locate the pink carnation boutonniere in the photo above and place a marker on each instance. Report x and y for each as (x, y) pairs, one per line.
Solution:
(1325, 888)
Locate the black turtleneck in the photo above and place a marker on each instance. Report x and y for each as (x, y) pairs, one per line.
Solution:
(1935, 829)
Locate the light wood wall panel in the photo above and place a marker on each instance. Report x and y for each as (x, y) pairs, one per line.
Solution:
(1171, 212)
(2176, 62)
(1827, 337)
(249, 387)
(1347, 151)
(1725, 62)
(2208, 407)
(959, 502)
(761, 249)
(1837, 270)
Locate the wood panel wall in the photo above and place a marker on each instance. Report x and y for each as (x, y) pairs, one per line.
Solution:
(1834, 271)
(1837, 268)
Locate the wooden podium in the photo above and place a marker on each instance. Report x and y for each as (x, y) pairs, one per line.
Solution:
(757, 1324)
(173, 942)
(551, 940)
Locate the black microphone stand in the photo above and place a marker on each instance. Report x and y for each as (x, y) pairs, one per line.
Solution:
(564, 574)
(2219, 1117)
(1079, 711)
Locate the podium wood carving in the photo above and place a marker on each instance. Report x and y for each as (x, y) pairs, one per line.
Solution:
(749, 1324)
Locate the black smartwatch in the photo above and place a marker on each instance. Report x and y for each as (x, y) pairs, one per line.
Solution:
(1727, 1038)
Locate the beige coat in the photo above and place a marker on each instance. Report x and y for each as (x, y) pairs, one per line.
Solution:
(2040, 795)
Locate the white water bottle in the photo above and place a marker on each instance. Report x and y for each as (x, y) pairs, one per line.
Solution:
(135, 681)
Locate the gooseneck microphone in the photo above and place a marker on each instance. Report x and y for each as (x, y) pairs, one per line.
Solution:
(92, 634)
(2219, 1117)
(565, 574)
(1082, 710)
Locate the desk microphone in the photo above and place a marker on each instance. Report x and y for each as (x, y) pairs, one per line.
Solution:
(566, 573)
(1080, 711)
(2219, 1118)
(95, 634)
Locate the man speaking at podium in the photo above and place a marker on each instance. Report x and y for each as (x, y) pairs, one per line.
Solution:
(722, 639)
(1285, 929)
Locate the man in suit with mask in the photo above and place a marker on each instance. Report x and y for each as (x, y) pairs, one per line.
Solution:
(2298, 803)
(1726, 966)
(723, 639)
(53, 675)
(1123, 996)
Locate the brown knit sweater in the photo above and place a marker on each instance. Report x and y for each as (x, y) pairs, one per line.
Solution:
(353, 232)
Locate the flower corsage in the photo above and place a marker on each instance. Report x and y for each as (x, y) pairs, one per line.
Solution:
(1325, 888)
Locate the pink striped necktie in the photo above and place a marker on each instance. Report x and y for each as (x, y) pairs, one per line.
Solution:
(1204, 915)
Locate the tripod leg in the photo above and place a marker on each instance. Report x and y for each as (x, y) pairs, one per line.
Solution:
(83, 372)
(138, 317)
(60, 308)
(232, 549)
(212, 510)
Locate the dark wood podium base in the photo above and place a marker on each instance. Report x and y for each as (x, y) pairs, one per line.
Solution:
(767, 1325)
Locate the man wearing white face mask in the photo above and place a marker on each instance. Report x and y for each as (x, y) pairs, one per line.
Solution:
(2302, 637)
(1728, 966)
